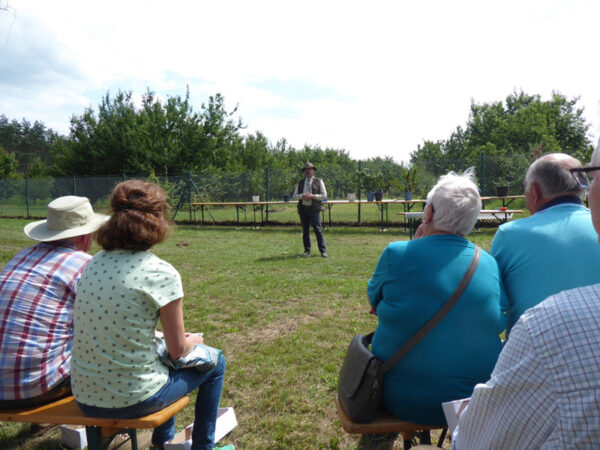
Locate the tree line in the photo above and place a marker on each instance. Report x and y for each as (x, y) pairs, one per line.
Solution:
(522, 124)
(171, 137)
(165, 138)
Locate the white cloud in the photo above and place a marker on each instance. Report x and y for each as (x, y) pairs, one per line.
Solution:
(394, 73)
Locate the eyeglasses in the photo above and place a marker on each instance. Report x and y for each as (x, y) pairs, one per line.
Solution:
(583, 175)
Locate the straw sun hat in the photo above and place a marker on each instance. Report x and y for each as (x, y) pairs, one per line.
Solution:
(67, 217)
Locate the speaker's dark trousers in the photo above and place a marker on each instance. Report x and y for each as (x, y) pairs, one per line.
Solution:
(306, 219)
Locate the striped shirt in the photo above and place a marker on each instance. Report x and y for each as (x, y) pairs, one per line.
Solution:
(37, 294)
(545, 389)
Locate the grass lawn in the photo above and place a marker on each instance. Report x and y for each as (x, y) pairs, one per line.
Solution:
(283, 323)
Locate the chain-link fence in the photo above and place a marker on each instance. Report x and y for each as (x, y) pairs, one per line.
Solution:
(29, 197)
(492, 172)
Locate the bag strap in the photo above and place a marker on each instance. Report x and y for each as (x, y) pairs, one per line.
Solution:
(431, 323)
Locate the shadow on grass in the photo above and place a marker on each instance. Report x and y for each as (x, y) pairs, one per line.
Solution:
(362, 229)
(280, 258)
(35, 440)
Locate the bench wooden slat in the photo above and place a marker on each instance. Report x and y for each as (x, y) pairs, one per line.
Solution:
(66, 411)
(419, 214)
(383, 423)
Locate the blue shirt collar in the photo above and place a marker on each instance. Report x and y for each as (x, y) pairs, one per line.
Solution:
(560, 201)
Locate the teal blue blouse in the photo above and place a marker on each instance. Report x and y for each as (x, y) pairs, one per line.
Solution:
(411, 282)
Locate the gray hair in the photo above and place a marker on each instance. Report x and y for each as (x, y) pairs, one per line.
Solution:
(553, 178)
(456, 202)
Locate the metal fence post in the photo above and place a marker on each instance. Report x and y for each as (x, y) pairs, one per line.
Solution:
(123, 177)
(27, 193)
(74, 186)
(268, 183)
(359, 187)
(483, 174)
(189, 184)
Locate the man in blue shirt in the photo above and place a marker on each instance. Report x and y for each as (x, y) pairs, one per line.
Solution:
(544, 390)
(556, 247)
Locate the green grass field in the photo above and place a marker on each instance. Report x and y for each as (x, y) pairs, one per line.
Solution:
(283, 323)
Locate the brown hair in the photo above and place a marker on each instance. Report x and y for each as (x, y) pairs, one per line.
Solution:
(138, 220)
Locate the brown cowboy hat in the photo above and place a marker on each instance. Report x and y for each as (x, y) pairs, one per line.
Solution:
(308, 166)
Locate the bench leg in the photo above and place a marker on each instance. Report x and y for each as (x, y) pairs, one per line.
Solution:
(425, 437)
(407, 439)
(94, 438)
(97, 442)
(133, 437)
(442, 437)
(377, 441)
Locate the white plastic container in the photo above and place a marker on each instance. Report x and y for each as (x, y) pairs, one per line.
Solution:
(73, 436)
(226, 421)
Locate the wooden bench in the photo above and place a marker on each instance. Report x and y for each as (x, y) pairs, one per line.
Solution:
(498, 216)
(100, 432)
(386, 423)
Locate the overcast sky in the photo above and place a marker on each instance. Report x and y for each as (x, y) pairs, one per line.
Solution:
(375, 78)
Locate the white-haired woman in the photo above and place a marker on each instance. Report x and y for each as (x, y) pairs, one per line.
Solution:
(411, 282)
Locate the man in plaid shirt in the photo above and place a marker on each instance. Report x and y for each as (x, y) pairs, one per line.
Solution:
(37, 294)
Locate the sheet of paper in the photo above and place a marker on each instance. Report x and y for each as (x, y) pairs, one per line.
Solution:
(453, 410)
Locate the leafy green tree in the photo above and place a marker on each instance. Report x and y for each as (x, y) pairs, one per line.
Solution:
(171, 138)
(515, 126)
(220, 137)
(9, 133)
(429, 151)
(256, 153)
(167, 137)
(169, 133)
(524, 121)
(509, 133)
(8, 171)
(8, 165)
(29, 143)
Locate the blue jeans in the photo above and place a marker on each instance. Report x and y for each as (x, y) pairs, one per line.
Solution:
(308, 218)
(181, 382)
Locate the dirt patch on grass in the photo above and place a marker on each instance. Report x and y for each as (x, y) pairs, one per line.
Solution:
(238, 342)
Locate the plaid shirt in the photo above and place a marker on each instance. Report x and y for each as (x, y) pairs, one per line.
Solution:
(37, 294)
(545, 389)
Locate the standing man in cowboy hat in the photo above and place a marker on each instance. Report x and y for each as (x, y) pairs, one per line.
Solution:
(310, 194)
(37, 294)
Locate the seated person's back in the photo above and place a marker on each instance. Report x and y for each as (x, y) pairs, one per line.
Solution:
(124, 292)
(37, 294)
(544, 390)
(554, 249)
(412, 281)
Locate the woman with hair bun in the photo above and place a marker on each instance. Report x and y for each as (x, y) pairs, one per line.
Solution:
(122, 294)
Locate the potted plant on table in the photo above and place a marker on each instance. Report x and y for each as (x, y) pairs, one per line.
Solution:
(382, 185)
(502, 187)
(369, 180)
(409, 178)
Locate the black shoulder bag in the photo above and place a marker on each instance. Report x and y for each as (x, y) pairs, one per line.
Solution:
(360, 385)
